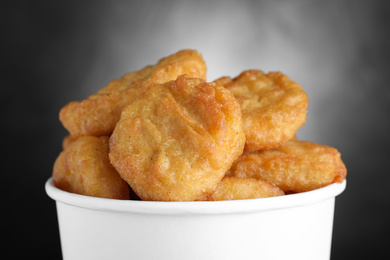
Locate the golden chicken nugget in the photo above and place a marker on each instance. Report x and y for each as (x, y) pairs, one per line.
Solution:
(177, 140)
(234, 188)
(84, 168)
(273, 107)
(297, 166)
(98, 114)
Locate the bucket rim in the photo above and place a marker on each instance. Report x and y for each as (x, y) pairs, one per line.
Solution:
(195, 207)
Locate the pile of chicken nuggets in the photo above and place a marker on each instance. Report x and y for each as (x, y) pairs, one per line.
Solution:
(164, 133)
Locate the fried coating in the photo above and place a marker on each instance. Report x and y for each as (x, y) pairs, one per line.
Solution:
(177, 140)
(84, 168)
(234, 188)
(273, 107)
(67, 141)
(98, 114)
(297, 166)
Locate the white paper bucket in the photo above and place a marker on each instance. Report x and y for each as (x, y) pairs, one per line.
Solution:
(297, 226)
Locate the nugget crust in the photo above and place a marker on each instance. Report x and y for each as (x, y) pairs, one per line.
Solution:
(98, 114)
(84, 168)
(177, 140)
(273, 107)
(297, 166)
(234, 188)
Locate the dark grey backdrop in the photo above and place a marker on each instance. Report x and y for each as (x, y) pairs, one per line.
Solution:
(57, 51)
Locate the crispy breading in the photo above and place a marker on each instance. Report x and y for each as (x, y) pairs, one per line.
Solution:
(234, 188)
(67, 141)
(177, 140)
(297, 166)
(273, 107)
(84, 168)
(98, 114)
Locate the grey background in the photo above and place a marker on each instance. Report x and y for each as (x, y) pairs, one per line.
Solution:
(54, 52)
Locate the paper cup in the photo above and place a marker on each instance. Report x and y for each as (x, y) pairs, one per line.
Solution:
(297, 226)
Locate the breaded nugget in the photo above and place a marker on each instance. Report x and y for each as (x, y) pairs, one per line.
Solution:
(297, 166)
(234, 188)
(177, 140)
(273, 107)
(98, 114)
(84, 168)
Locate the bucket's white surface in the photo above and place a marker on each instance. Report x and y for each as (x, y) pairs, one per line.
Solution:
(297, 226)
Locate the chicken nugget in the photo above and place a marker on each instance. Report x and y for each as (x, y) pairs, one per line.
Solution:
(84, 168)
(234, 188)
(273, 107)
(297, 166)
(177, 140)
(98, 114)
